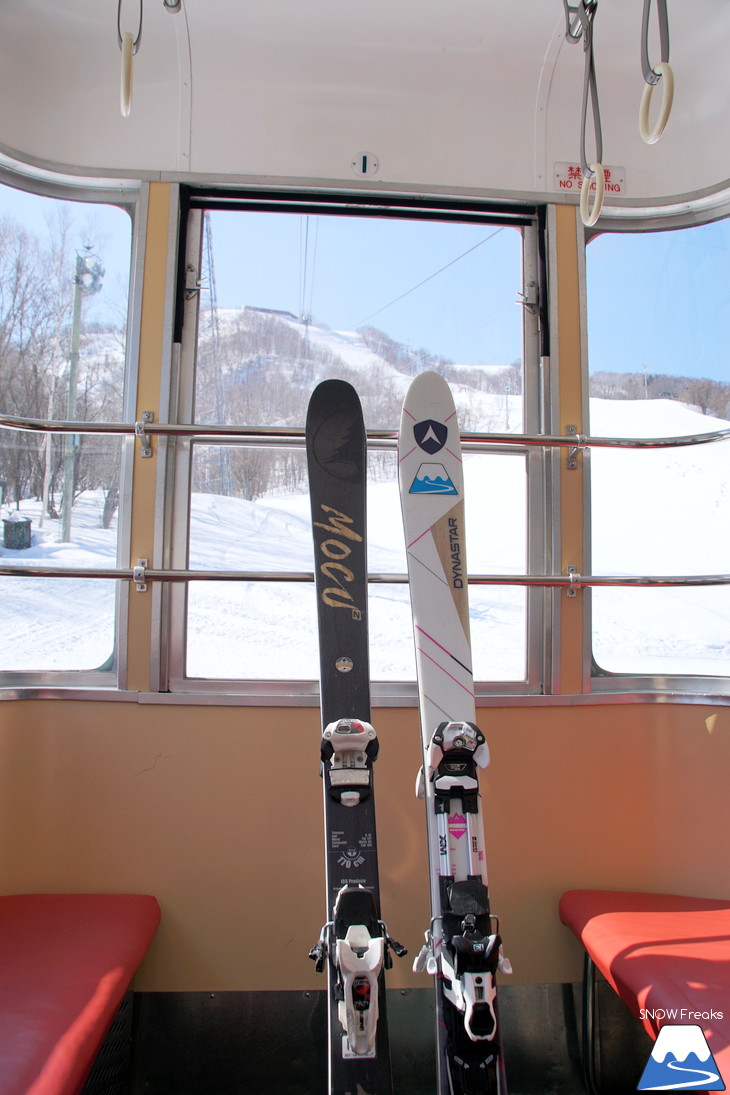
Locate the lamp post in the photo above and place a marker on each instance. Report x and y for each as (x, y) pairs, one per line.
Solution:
(88, 277)
(49, 444)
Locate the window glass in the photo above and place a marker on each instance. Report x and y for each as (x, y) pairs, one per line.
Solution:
(290, 300)
(658, 329)
(268, 630)
(64, 274)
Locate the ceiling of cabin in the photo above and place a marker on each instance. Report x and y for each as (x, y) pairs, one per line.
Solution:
(478, 95)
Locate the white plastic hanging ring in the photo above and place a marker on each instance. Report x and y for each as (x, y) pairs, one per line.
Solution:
(590, 216)
(651, 136)
(125, 101)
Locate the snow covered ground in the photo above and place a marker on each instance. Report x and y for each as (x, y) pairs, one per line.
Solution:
(63, 623)
(660, 512)
(654, 512)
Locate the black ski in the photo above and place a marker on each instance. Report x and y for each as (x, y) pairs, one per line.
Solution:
(354, 944)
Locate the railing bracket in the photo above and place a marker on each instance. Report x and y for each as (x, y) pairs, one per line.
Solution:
(576, 582)
(140, 431)
(571, 461)
(139, 575)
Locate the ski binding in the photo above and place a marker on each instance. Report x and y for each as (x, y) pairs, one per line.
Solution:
(357, 943)
(349, 747)
(455, 749)
(467, 949)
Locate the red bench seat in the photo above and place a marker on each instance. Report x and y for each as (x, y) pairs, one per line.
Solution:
(667, 957)
(66, 962)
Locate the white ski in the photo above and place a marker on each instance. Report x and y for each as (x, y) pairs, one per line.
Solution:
(463, 947)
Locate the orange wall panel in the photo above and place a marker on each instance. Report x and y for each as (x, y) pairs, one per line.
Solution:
(217, 811)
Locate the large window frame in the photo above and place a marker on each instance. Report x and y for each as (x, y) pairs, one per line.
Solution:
(128, 195)
(549, 644)
(605, 684)
(193, 205)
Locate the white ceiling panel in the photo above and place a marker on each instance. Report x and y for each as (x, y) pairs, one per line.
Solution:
(471, 96)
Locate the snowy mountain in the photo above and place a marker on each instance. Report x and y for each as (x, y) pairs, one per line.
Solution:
(260, 365)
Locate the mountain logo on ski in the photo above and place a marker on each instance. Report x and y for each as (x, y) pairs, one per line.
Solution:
(432, 479)
(430, 435)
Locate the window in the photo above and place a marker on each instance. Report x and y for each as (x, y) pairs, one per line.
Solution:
(658, 330)
(289, 299)
(64, 275)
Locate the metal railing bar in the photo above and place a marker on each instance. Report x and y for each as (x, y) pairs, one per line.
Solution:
(152, 574)
(294, 435)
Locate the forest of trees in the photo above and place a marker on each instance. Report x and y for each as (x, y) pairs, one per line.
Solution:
(710, 396)
(38, 285)
(257, 366)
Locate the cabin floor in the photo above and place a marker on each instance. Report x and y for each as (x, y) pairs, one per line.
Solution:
(236, 1043)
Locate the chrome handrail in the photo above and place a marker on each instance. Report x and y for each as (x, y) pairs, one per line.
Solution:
(295, 435)
(557, 581)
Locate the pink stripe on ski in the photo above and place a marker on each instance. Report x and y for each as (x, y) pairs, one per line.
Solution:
(469, 691)
(438, 644)
(409, 546)
(406, 454)
(454, 454)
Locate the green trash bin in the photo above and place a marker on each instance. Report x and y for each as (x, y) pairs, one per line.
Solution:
(16, 531)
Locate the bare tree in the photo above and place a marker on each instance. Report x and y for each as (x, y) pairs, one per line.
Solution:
(36, 294)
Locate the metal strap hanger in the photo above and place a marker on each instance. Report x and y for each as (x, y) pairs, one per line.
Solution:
(579, 18)
(654, 73)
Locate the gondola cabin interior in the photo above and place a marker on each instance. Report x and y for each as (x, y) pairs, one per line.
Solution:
(206, 209)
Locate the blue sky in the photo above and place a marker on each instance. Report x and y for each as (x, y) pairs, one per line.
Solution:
(655, 300)
(661, 299)
(451, 288)
(107, 228)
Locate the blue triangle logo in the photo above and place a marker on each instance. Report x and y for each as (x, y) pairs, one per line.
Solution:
(432, 479)
(681, 1060)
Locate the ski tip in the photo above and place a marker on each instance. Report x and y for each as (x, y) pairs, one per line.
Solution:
(335, 430)
(334, 391)
(429, 381)
(429, 395)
